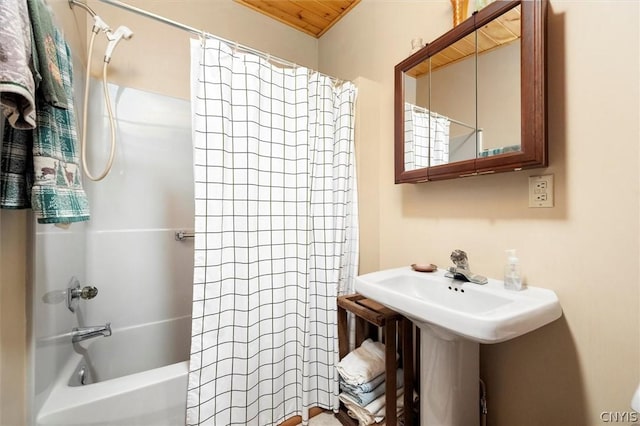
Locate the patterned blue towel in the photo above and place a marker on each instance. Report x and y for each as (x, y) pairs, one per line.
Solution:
(365, 398)
(40, 168)
(47, 62)
(57, 195)
(16, 168)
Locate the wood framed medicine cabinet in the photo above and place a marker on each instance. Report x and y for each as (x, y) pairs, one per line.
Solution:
(483, 83)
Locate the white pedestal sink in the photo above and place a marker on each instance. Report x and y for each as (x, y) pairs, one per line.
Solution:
(454, 318)
(635, 401)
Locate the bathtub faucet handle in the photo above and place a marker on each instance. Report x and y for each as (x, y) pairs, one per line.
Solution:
(88, 292)
(75, 292)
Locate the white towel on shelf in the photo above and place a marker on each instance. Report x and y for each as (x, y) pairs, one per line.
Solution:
(377, 406)
(364, 387)
(362, 364)
(367, 415)
(364, 398)
(363, 418)
(17, 86)
(359, 413)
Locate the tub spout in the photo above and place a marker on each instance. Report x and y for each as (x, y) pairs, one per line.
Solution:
(83, 333)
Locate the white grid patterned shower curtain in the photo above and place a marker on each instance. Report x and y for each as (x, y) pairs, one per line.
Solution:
(426, 138)
(276, 237)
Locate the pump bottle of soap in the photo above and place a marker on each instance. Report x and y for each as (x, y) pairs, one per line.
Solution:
(512, 272)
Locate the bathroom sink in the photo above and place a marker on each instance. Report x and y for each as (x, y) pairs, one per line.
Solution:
(454, 317)
(480, 313)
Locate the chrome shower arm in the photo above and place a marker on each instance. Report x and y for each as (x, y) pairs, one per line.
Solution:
(82, 5)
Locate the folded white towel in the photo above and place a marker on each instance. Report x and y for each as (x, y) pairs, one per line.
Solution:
(359, 413)
(377, 406)
(362, 364)
(364, 398)
(17, 86)
(363, 388)
(364, 415)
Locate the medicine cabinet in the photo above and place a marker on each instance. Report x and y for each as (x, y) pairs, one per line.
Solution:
(473, 101)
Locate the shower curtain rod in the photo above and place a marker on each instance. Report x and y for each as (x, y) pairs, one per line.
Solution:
(202, 33)
(422, 109)
(461, 123)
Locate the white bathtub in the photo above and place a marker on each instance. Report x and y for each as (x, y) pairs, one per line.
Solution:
(136, 377)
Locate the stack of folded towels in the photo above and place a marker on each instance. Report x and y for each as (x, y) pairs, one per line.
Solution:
(362, 383)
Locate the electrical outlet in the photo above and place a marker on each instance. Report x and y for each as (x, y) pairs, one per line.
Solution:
(541, 191)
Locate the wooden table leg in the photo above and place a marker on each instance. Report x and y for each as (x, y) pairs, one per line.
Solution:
(390, 367)
(407, 362)
(343, 333)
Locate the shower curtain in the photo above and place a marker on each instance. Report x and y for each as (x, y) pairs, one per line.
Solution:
(420, 127)
(276, 236)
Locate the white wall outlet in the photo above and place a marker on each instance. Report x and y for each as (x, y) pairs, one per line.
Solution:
(541, 191)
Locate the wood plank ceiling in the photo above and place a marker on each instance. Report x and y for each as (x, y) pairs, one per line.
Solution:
(313, 17)
(502, 30)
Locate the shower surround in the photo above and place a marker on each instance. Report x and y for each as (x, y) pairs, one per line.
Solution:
(128, 251)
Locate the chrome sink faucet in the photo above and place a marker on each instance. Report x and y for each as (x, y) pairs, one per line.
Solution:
(78, 334)
(462, 271)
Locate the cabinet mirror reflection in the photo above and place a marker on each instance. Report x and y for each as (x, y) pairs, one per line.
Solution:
(472, 101)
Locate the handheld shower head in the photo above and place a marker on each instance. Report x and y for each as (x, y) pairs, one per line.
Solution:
(122, 32)
(99, 25)
(114, 37)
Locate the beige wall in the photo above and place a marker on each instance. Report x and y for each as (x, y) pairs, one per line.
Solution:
(13, 328)
(157, 58)
(586, 248)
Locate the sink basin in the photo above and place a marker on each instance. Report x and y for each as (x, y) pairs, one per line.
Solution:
(480, 313)
(454, 317)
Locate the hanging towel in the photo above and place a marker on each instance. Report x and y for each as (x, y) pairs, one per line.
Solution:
(57, 195)
(17, 86)
(47, 61)
(362, 364)
(16, 168)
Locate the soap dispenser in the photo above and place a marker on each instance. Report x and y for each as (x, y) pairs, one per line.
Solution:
(512, 272)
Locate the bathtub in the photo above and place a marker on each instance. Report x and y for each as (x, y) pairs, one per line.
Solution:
(137, 376)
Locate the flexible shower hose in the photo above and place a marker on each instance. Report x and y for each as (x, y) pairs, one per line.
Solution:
(112, 125)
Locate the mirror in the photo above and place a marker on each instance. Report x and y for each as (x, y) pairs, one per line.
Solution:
(473, 101)
(498, 84)
(453, 98)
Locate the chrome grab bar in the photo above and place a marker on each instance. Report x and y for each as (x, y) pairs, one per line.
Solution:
(183, 235)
